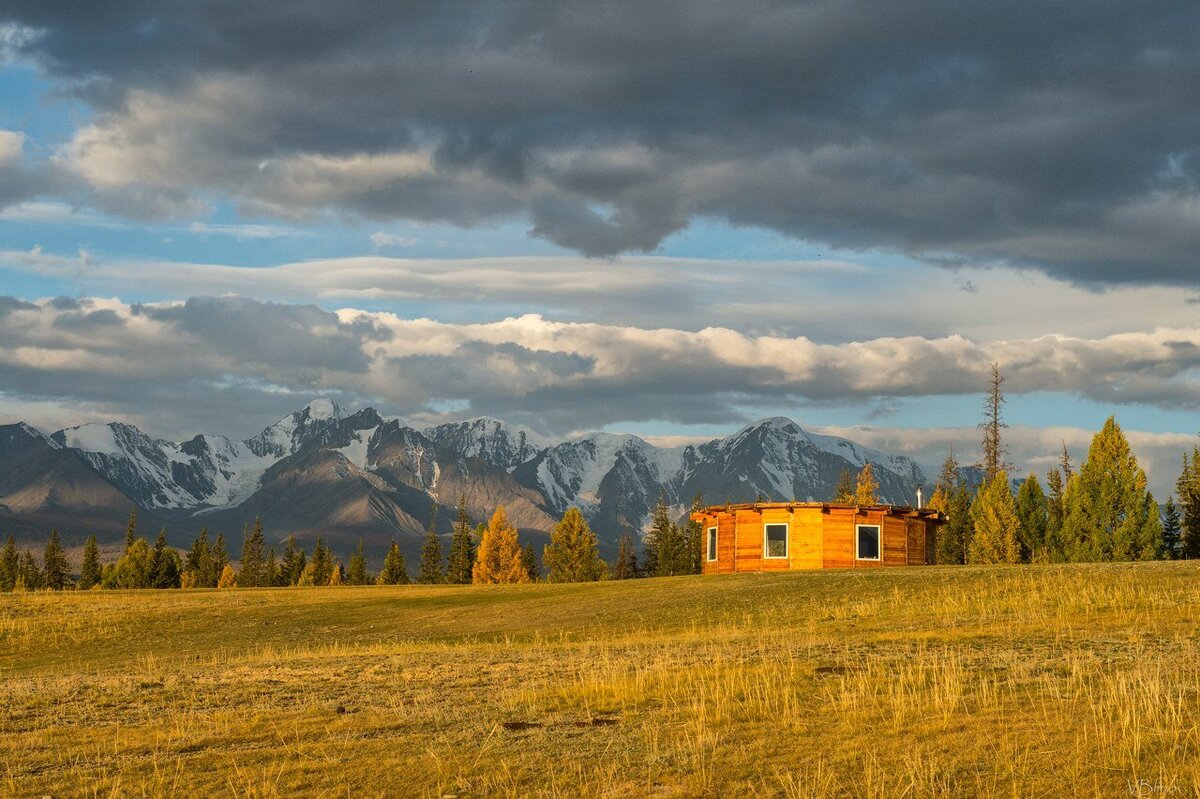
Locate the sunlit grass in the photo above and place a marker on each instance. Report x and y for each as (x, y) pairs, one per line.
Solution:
(1003, 681)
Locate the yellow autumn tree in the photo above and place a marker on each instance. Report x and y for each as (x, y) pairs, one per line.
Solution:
(499, 555)
(335, 574)
(228, 577)
(864, 492)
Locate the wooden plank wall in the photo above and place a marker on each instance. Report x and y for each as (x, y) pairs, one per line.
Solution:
(806, 539)
(895, 541)
(916, 541)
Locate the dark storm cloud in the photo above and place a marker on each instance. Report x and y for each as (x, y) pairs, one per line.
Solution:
(1058, 135)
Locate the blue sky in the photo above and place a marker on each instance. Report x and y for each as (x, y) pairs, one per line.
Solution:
(881, 229)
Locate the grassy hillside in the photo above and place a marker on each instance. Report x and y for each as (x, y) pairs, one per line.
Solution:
(968, 681)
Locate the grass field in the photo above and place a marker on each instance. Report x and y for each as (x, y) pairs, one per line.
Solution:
(969, 681)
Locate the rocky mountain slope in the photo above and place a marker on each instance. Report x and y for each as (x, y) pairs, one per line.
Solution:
(323, 471)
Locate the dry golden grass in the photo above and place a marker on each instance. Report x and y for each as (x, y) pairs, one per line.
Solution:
(952, 682)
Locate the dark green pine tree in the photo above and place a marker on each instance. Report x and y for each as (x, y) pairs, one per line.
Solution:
(694, 536)
(322, 563)
(395, 572)
(1055, 514)
(271, 575)
(431, 570)
(165, 567)
(217, 561)
(199, 560)
(954, 536)
(357, 573)
(671, 551)
(54, 564)
(529, 562)
(843, 492)
(1034, 514)
(462, 548)
(294, 561)
(90, 571)
(1187, 492)
(573, 554)
(131, 528)
(254, 557)
(10, 565)
(29, 577)
(1170, 529)
(627, 566)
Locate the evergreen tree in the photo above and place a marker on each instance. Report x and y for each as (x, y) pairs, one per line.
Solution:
(431, 554)
(54, 564)
(955, 536)
(29, 576)
(164, 564)
(529, 562)
(1033, 514)
(10, 565)
(867, 486)
(1055, 514)
(995, 528)
(1064, 463)
(499, 558)
(254, 561)
(199, 562)
(322, 563)
(1187, 490)
(273, 577)
(395, 572)
(947, 482)
(357, 573)
(573, 554)
(627, 566)
(131, 528)
(1110, 514)
(1170, 529)
(462, 548)
(843, 492)
(228, 578)
(335, 574)
(672, 553)
(993, 449)
(294, 562)
(694, 537)
(217, 561)
(89, 572)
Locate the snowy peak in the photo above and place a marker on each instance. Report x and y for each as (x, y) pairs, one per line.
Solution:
(294, 430)
(490, 440)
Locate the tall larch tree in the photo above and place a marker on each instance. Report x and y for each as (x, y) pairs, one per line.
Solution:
(953, 499)
(431, 570)
(1170, 529)
(866, 490)
(573, 554)
(995, 525)
(55, 571)
(217, 561)
(1055, 513)
(992, 425)
(294, 561)
(462, 548)
(1110, 514)
(395, 571)
(1033, 514)
(499, 557)
(228, 578)
(89, 571)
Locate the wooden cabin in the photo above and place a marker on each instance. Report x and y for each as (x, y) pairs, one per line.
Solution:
(779, 536)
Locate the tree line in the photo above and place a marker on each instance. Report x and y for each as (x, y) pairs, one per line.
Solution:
(487, 553)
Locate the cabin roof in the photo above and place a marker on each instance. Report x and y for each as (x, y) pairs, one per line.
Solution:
(929, 514)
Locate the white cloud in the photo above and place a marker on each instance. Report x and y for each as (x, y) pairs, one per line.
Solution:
(12, 144)
(381, 240)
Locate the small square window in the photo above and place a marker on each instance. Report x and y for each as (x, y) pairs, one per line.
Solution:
(867, 542)
(712, 543)
(775, 541)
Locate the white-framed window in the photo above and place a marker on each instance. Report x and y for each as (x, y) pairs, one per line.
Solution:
(868, 541)
(775, 540)
(712, 543)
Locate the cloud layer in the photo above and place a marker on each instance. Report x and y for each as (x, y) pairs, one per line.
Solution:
(238, 360)
(1056, 135)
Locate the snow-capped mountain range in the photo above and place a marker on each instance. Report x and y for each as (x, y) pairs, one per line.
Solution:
(323, 471)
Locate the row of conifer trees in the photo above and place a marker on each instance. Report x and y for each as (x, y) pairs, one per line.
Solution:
(486, 553)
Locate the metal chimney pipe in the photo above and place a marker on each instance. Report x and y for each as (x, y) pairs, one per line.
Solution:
(920, 502)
